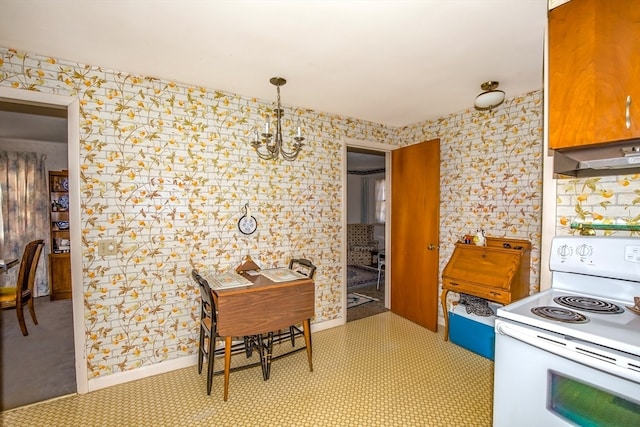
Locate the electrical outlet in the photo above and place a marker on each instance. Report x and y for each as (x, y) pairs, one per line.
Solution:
(107, 247)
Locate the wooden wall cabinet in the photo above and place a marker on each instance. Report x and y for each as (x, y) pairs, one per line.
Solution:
(59, 258)
(594, 67)
(496, 272)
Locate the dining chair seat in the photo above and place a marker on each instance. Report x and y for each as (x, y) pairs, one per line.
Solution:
(22, 294)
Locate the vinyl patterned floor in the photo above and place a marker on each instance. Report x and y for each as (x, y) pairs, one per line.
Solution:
(378, 371)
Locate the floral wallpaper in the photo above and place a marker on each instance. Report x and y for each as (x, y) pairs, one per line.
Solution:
(166, 169)
(491, 173)
(607, 200)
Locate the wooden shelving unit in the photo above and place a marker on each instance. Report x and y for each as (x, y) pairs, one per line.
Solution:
(59, 258)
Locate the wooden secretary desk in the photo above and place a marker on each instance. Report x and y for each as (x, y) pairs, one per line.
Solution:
(497, 272)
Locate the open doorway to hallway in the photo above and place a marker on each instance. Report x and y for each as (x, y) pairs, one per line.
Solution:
(39, 366)
(366, 218)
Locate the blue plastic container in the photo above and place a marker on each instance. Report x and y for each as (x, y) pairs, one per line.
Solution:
(475, 333)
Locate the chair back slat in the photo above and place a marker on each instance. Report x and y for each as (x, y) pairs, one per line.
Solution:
(303, 266)
(28, 268)
(208, 308)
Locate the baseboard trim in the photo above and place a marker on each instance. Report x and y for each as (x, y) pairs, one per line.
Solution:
(328, 324)
(173, 364)
(143, 372)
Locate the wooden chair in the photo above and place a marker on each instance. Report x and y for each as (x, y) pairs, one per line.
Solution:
(208, 330)
(306, 268)
(16, 297)
(265, 341)
(209, 335)
(250, 341)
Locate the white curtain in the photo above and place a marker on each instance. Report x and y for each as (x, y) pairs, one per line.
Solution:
(364, 201)
(25, 211)
(381, 201)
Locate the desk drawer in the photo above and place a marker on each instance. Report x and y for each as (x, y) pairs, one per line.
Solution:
(492, 294)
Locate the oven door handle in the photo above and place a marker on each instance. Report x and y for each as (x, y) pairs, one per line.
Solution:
(613, 363)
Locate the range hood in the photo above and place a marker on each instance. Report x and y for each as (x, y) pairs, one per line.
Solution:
(598, 160)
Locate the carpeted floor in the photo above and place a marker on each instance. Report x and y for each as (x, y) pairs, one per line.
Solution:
(363, 280)
(380, 371)
(359, 276)
(41, 365)
(355, 299)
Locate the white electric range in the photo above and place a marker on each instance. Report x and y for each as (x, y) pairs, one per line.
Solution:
(570, 355)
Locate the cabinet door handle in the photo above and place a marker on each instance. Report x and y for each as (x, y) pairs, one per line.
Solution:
(627, 113)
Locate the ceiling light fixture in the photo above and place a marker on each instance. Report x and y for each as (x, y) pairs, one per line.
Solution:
(273, 143)
(490, 98)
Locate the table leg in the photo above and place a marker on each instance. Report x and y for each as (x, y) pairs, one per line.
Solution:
(227, 364)
(306, 325)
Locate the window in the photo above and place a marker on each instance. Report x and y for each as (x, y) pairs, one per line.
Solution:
(381, 201)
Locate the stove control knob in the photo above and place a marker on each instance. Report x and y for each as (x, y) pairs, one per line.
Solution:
(565, 251)
(584, 251)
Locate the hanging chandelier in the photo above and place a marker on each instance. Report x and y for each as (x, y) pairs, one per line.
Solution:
(273, 143)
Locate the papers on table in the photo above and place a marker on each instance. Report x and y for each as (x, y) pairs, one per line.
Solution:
(230, 279)
(282, 275)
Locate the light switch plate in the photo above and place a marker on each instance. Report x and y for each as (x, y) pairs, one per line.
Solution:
(107, 247)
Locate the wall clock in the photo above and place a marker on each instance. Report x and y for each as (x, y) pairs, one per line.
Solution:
(247, 223)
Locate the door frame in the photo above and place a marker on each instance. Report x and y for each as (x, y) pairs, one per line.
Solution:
(72, 106)
(382, 148)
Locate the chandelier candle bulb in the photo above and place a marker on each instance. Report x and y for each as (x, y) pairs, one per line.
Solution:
(298, 130)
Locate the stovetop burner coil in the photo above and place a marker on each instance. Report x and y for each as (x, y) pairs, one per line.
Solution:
(560, 314)
(591, 305)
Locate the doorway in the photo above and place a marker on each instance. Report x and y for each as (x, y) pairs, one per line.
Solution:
(69, 106)
(366, 182)
(414, 176)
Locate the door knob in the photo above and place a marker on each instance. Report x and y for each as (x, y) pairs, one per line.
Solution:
(432, 247)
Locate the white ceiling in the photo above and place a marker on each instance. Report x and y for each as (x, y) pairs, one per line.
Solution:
(27, 124)
(391, 62)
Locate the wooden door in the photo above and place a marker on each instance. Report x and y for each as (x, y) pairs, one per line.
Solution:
(415, 218)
